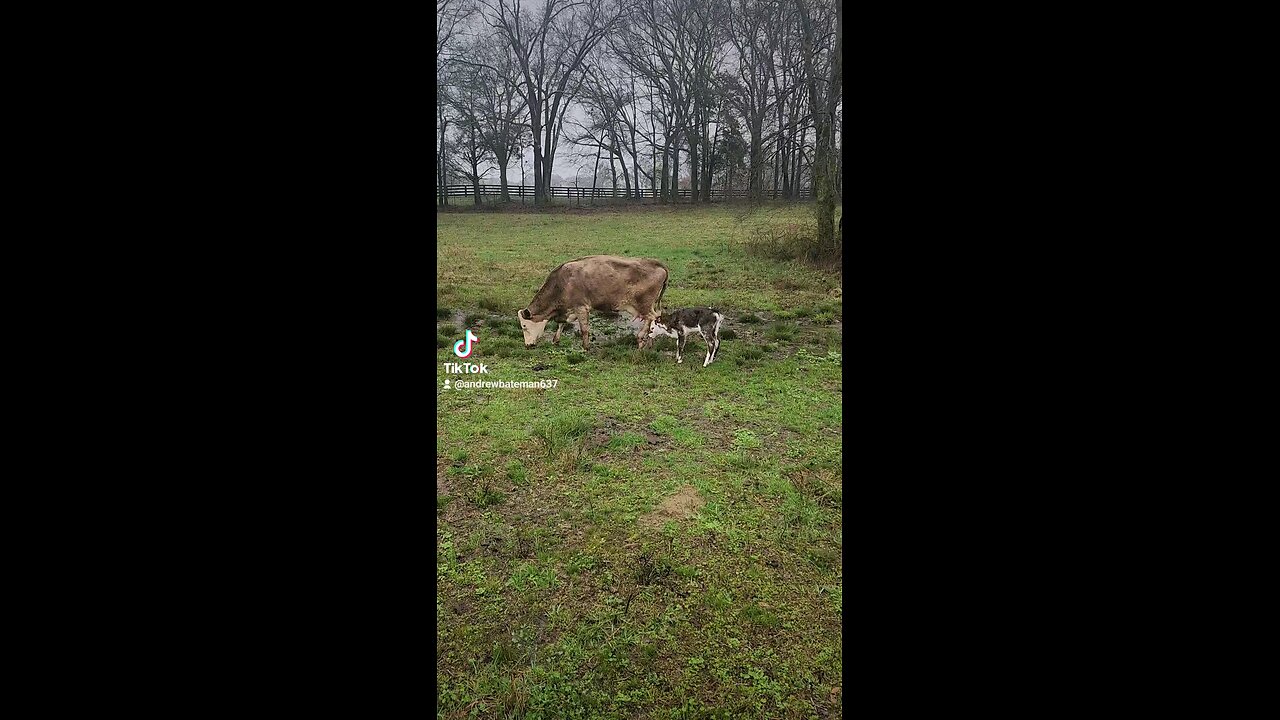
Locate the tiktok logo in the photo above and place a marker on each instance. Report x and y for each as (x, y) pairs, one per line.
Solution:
(458, 349)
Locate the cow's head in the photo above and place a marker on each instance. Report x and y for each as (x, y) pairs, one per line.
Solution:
(659, 328)
(532, 330)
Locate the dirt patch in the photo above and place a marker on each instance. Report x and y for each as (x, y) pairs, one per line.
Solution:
(442, 483)
(680, 506)
(602, 433)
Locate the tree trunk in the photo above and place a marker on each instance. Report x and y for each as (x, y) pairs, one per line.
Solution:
(693, 160)
(777, 154)
(535, 122)
(804, 131)
(675, 173)
(754, 189)
(622, 160)
(502, 157)
(595, 174)
(443, 155)
(824, 118)
(666, 156)
(710, 172)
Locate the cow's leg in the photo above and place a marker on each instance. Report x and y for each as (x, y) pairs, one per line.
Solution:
(567, 322)
(584, 326)
(645, 326)
(680, 341)
(707, 360)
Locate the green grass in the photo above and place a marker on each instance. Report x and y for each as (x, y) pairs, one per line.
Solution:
(561, 593)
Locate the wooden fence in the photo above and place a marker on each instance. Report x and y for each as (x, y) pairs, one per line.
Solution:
(463, 193)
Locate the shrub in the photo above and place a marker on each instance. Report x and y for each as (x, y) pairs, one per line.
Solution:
(443, 312)
(745, 439)
(791, 241)
(516, 472)
(483, 495)
(781, 241)
(749, 318)
(780, 332)
(728, 335)
(560, 434)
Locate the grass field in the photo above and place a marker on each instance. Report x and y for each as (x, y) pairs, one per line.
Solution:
(647, 539)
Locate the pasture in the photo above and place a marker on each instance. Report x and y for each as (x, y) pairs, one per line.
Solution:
(647, 539)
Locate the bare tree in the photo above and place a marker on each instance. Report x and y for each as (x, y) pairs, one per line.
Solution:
(752, 31)
(644, 42)
(500, 111)
(468, 100)
(470, 156)
(549, 47)
(450, 17)
(450, 14)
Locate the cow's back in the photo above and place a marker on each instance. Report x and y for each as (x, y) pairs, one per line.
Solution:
(610, 280)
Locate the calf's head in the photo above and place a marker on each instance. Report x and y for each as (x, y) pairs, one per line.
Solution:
(660, 328)
(532, 330)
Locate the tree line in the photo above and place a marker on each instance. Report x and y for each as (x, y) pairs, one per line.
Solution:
(736, 92)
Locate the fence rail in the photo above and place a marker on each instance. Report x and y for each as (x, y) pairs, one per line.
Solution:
(585, 193)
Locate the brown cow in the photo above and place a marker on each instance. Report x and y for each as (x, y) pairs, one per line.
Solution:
(603, 283)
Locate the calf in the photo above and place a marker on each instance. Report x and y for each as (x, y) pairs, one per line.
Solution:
(679, 324)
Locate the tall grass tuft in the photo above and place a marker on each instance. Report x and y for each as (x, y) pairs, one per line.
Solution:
(562, 436)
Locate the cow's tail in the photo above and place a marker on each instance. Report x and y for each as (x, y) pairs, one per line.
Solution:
(657, 306)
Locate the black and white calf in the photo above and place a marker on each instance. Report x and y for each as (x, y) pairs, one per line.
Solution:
(679, 324)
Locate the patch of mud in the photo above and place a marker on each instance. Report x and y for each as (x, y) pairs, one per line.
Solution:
(602, 433)
(606, 329)
(442, 483)
(680, 506)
